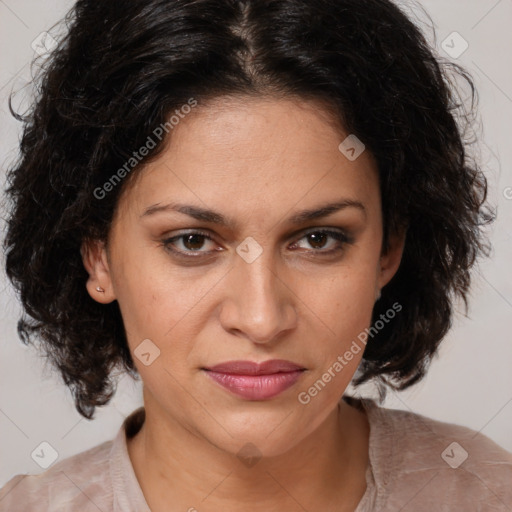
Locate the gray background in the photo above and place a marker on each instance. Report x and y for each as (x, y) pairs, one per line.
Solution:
(470, 383)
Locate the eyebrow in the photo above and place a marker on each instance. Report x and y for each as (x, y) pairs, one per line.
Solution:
(211, 216)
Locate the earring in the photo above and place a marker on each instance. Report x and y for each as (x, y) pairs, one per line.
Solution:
(100, 289)
(378, 296)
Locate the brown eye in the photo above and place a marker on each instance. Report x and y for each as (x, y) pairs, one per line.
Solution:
(318, 241)
(193, 242)
(189, 243)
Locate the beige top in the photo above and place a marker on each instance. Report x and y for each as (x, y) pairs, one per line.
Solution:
(416, 465)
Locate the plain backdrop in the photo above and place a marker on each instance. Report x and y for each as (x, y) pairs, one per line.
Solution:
(470, 383)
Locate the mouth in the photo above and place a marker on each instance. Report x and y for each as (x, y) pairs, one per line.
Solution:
(255, 381)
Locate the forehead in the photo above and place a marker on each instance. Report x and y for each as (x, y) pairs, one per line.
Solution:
(254, 152)
(257, 127)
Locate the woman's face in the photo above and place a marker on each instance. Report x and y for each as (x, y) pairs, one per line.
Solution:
(260, 279)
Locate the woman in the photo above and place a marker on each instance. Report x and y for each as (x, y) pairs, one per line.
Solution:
(249, 204)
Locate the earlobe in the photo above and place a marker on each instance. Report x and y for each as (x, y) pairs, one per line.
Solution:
(99, 283)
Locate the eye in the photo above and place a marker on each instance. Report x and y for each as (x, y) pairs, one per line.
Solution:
(318, 240)
(188, 243)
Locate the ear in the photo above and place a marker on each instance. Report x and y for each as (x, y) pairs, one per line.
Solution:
(94, 258)
(390, 260)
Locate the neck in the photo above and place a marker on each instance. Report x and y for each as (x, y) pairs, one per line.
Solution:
(325, 471)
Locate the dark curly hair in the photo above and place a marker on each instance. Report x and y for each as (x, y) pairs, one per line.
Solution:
(123, 67)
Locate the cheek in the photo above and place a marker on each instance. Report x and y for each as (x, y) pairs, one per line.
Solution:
(343, 307)
(345, 302)
(343, 310)
(162, 302)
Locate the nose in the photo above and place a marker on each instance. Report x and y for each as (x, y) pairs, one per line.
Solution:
(259, 304)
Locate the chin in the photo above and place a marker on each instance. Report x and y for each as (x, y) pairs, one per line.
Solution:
(250, 447)
(268, 434)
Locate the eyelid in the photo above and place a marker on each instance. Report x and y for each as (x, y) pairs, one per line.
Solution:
(167, 242)
(338, 234)
(322, 229)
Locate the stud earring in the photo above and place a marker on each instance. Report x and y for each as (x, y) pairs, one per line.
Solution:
(100, 289)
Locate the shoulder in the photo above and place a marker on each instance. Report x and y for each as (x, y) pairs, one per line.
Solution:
(80, 482)
(427, 463)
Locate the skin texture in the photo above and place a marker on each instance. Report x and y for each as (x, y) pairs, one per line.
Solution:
(257, 161)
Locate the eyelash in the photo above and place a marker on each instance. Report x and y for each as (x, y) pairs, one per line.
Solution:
(342, 238)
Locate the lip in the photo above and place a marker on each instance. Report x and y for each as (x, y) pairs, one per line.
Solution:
(249, 368)
(255, 381)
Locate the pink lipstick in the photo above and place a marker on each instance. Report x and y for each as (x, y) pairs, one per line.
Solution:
(253, 381)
